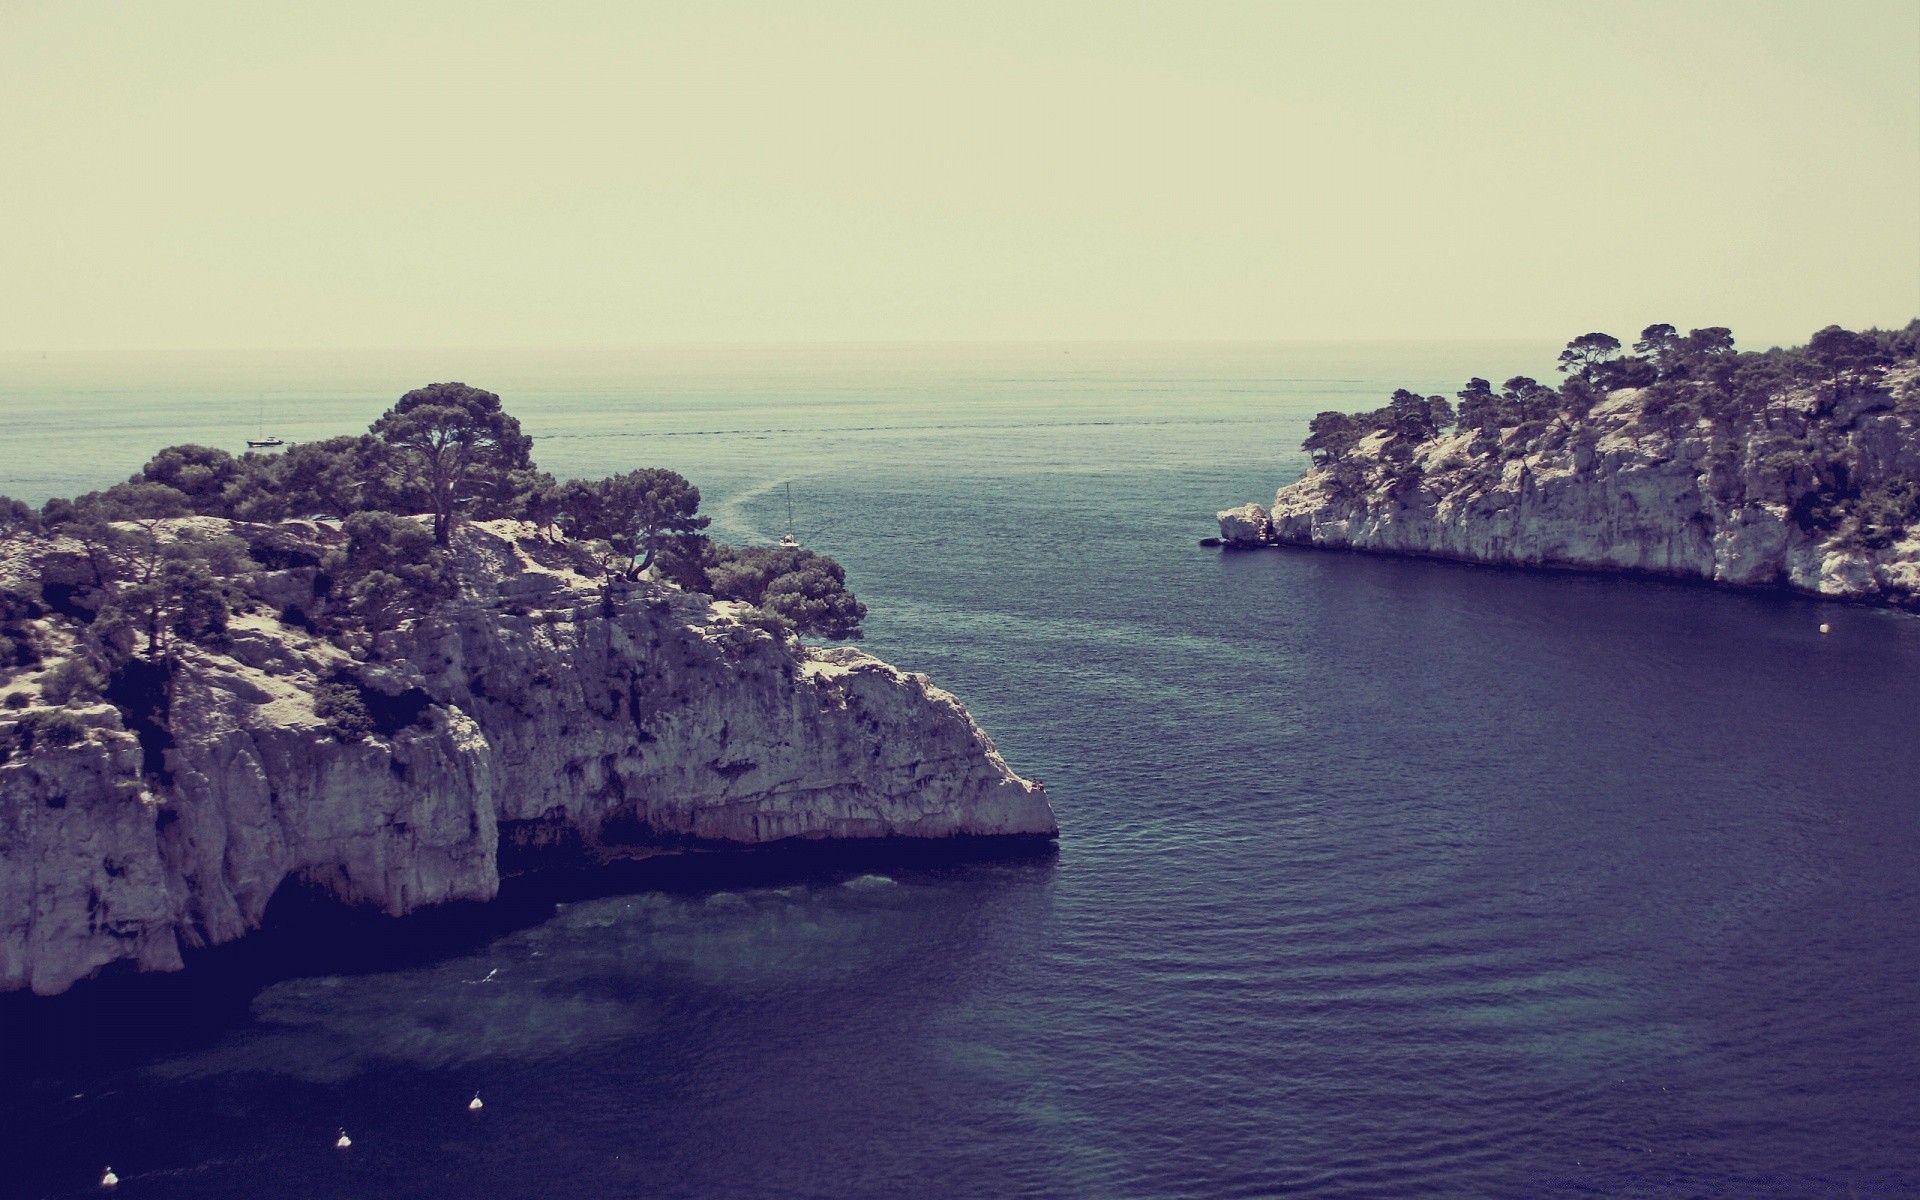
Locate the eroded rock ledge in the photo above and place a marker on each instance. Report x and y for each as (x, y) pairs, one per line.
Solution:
(536, 713)
(1627, 487)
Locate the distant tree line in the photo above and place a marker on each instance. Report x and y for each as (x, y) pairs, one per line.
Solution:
(447, 453)
(1688, 377)
(1700, 369)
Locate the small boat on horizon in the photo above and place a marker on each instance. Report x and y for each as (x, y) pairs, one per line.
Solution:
(263, 442)
(787, 539)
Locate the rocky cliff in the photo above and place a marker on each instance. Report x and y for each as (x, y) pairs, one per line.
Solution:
(1803, 490)
(537, 716)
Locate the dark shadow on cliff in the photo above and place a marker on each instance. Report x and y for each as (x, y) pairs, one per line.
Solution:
(123, 1016)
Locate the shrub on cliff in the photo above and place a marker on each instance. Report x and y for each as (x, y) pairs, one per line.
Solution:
(808, 590)
(18, 610)
(17, 516)
(390, 569)
(201, 474)
(76, 677)
(138, 500)
(41, 729)
(351, 710)
(1881, 515)
(149, 581)
(537, 500)
(338, 702)
(180, 599)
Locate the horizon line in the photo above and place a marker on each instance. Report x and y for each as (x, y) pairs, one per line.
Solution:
(789, 344)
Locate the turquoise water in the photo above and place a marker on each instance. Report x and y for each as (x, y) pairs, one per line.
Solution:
(1376, 878)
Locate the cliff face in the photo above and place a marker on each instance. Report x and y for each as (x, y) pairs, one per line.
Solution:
(531, 717)
(1628, 488)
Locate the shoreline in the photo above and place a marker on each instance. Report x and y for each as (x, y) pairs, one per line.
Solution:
(307, 933)
(1777, 589)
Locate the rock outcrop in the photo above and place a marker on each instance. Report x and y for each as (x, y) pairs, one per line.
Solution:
(1246, 526)
(1627, 487)
(540, 715)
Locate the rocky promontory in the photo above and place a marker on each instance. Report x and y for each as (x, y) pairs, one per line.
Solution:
(1797, 469)
(537, 712)
(393, 668)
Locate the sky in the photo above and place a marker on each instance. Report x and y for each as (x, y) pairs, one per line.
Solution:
(209, 175)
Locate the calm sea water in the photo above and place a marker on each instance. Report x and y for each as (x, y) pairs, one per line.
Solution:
(1376, 878)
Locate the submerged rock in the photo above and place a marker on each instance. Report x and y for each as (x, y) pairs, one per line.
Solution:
(536, 718)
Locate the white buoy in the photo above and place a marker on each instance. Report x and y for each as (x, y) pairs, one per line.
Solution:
(474, 1104)
(343, 1141)
(109, 1179)
(1826, 628)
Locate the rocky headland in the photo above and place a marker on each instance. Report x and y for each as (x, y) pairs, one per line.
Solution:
(537, 716)
(1795, 469)
(201, 712)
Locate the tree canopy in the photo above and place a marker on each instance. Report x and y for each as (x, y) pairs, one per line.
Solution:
(459, 446)
(334, 478)
(1586, 352)
(1698, 372)
(200, 473)
(1685, 379)
(807, 590)
(447, 451)
(389, 569)
(635, 515)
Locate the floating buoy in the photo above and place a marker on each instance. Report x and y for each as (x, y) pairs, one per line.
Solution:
(109, 1179)
(474, 1104)
(343, 1141)
(1826, 628)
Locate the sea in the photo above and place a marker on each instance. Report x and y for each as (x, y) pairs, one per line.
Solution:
(1376, 877)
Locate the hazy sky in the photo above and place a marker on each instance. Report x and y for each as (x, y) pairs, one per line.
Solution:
(177, 175)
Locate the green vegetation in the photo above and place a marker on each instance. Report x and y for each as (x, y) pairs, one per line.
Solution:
(627, 520)
(17, 516)
(389, 569)
(145, 582)
(806, 592)
(1695, 381)
(78, 677)
(18, 646)
(337, 700)
(58, 728)
(458, 447)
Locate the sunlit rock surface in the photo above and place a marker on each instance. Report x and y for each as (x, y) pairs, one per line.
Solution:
(1624, 489)
(536, 718)
(1247, 525)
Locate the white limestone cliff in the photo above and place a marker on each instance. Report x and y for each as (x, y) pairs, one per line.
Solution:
(533, 718)
(1625, 489)
(1247, 525)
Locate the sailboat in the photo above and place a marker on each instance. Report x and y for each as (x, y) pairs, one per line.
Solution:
(787, 538)
(264, 442)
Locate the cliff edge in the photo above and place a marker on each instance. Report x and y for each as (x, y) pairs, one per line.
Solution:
(535, 715)
(1813, 486)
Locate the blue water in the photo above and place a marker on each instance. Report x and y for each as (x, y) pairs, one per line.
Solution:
(1376, 878)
